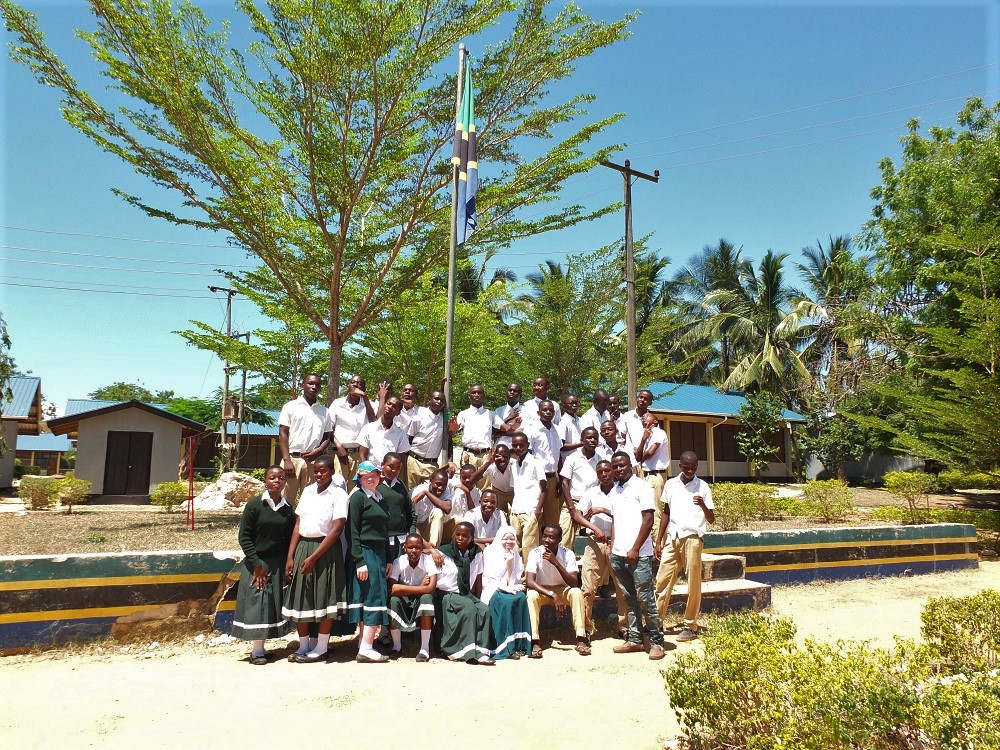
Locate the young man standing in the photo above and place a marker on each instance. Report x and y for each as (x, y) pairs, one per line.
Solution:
(529, 412)
(597, 414)
(687, 511)
(578, 474)
(529, 494)
(507, 417)
(427, 438)
(383, 436)
(304, 432)
(632, 556)
(545, 446)
(595, 567)
(551, 579)
(476, 424)
(652, 451)
(348, 415)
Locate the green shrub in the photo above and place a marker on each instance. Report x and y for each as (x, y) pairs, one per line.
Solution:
(829, 499)
(964, 632)
(169, 494)
(22, 470)
(737, 503)
(258, 474)
(71, 490)
(889, 514)
(961, 712)
(38, 493)
(914, 487)
(956, 479)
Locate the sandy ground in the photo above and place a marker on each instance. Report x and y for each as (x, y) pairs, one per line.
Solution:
(200, 695)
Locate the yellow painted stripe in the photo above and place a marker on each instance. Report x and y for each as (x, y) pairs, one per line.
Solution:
(226, 606)
(68, 583)
(831, 545)
(74, 614)
(857, 563)
(473, 165)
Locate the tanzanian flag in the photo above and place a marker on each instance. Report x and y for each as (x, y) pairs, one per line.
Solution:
(465, 158)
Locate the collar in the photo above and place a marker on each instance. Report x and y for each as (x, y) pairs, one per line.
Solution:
(273, 505)
(373, 495)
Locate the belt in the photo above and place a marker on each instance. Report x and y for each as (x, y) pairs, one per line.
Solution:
(424, 460)
(350, 449)
(295, 454)
(476, 451)
(654, 471)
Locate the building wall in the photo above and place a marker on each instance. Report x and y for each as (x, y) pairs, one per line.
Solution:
(7, 459)
(92, 445)
(872, 467)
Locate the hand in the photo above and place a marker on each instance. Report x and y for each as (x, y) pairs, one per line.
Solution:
(289, 468)
(538, 513)
(437, 556)
(310, 455)
(341, 452)
(632, 558)
(308, 566)
(549, 557)
(600, 536)
(491, 457)
(560, 605)
(426, 581)
(356, 391)
(260, 576)
(657, 550)
(383, 390)
(388, 569)
(453, 424)
(289, 568)
(362, 574)
(699, 500)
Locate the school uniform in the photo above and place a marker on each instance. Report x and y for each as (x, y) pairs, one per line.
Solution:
(548, 577)
(477, 434)
(405, 611)
(368, 522)
(485, 529)
(502, 483)
(528, 476)
(500, 415)
(322, 594)
(593, 418)
(545, 446)
(264, 534)
(307, 424)
(462, 621)
(433, 523)
(529, 412)
(347, 421)
(503, 592)
(427, 435)
(402, 515)
(582, 475)
(380, 440)
(655, 469)
(685, 542)
(595, 564)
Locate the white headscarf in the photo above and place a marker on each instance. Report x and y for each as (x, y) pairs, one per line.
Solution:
(496, 573)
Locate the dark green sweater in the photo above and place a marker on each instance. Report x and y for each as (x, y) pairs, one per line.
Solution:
(265, 532)
(369, 522)
(402, 514)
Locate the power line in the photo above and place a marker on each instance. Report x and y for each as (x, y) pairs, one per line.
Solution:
(119, 257)
(106, 283)
(104, 268)
(112, 237)
(102, 291)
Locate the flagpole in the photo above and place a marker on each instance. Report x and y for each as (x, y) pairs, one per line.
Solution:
(452, 254)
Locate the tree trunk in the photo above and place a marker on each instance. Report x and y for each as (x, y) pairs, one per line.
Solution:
(333, 371)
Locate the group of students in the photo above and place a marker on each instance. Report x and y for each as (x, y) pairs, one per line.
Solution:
(470, 560)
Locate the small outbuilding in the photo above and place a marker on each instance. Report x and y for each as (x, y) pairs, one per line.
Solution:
(125, 448)
(47, 451)
(21, 414)
(704, 419)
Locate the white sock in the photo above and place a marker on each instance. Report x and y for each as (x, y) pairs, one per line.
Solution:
(258, 648)
(397, 640)
(367, 639)
(304, 645)
(322, 644)
(425, 641)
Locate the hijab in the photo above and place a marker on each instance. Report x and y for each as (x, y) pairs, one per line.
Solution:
(495, 559)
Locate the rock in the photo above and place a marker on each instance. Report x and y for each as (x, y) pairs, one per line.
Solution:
(231, 490)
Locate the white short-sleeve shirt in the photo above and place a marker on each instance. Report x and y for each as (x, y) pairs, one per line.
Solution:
(426, 433)
(500, 480)
(528, 476)
(347, 420)
(412, 575)
(486, 529)
(379, 440)
(570, 429)
(477, 427)
(580, 471)
(595, 497)
(686, 517)
(318, 510)
(545, 572)
(628, 503)
(306, 423)
(545, 445)
(448, 577)
(660, 459)
(424, 506)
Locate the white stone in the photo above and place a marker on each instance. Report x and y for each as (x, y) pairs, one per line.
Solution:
(229, 491)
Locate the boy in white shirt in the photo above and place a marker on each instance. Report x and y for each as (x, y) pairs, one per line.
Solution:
(551, 578)
(687, 511)
(412, 581)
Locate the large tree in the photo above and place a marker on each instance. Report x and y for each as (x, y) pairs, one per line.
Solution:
(7, 370)
(322, 146)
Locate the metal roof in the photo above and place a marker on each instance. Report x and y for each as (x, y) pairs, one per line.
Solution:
(702, 400)
(69, 423)
(249, 428)
(81, 405)
(44, 442)
(24, 392)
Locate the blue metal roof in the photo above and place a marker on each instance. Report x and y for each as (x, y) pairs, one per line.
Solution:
(44, 442)
(249, 428)
(81, 405)
(24, 391)
(702, 400)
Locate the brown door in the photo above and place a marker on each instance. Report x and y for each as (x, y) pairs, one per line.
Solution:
(127, 463)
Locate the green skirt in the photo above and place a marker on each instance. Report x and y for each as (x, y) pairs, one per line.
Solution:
(463, 626)
(405, 611)
(320, 595)
(258, 612)
(510, 625)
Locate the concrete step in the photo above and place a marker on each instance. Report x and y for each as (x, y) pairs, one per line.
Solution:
(722, 567)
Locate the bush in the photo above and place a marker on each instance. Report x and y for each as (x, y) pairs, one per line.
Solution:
(38, 493)
(169, 494)
(964, 632)
(915, 488)
(736, 503)
(258, 474)
(22, 470)
(956, 479)
(829, 499)
(71, 490)
(960, 712)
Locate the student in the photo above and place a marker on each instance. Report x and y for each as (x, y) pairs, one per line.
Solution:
(434, 502)
(551, 575)
(569, 425)
(412, 581)
(607, 446)
(463, 621)
(632, 556)
(595, 566)
(317, 591)
(463, 481)
(428, 436)
(688, 509)
(597, 414)
(497, 473)
(476, 424)
(486, 519)
(529, 412)
(507, 417)
(304, 434)
(368, 520)
(265, 532)
(652, 451)
(348, 414)
(503, 593)
(545, 447)
(529, 494)
(577, 475)
(402, 514)
(381, 437)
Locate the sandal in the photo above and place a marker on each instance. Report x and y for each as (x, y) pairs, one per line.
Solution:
(536, 652)
(583, 648)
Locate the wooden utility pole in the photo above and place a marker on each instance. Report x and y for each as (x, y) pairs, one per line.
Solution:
(627, 174)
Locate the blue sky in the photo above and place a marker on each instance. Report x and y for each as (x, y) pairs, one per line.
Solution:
(766, 120)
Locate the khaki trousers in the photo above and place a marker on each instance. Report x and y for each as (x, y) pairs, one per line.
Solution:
(551, 504)
(417, 472)
(655, 483)
(303, 478)
(572, 595)
(348, 467)
(525, 527)
(504, 499)
(474, 460)
(595, 570)
(568, 528)
(680, 554)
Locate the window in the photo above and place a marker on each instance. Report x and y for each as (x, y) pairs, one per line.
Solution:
(688, 436)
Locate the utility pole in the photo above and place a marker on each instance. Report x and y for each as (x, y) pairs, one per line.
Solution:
(223, 445)
(627, 174)
(242, 411)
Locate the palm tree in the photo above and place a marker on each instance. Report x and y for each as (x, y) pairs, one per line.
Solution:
(768, 323)
(717, 268)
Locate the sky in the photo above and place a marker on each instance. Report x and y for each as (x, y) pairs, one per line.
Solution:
(766, 121)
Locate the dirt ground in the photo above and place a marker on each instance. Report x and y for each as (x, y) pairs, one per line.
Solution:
(191, 695)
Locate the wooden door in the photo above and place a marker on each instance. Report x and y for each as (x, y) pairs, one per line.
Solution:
(127, 463)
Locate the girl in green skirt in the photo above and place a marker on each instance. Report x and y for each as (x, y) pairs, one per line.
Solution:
(265, 532)
(462, 622)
